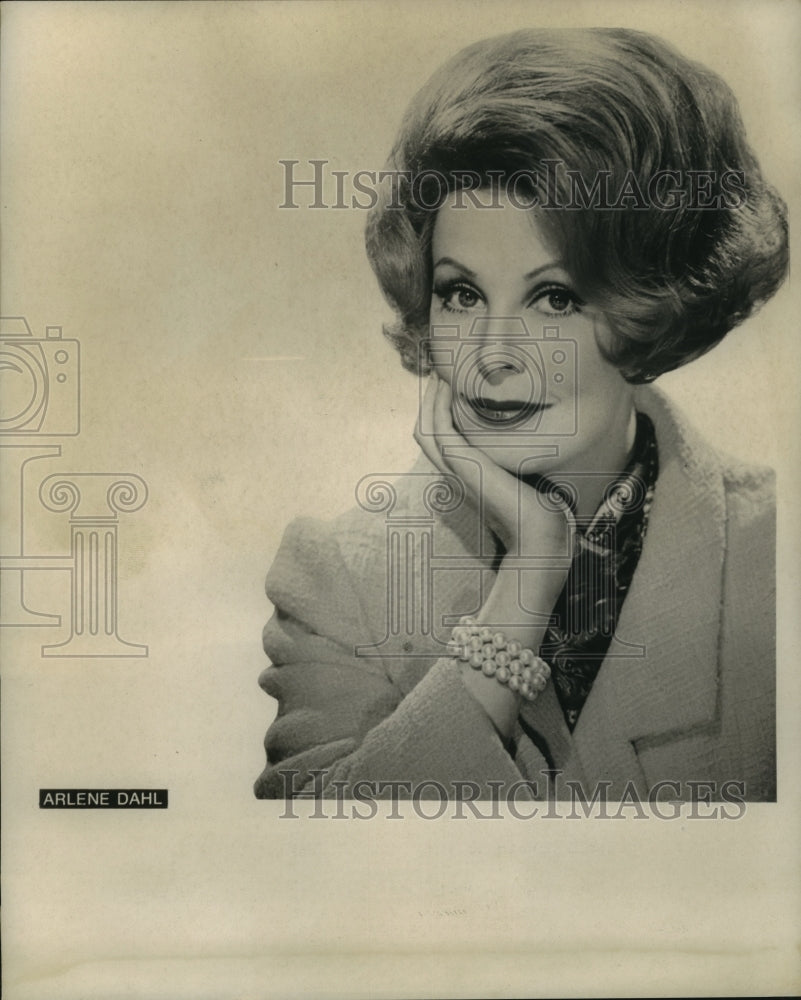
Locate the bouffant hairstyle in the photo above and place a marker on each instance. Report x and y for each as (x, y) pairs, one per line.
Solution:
(635, 164)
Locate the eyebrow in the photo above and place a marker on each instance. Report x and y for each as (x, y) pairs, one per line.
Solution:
(472, 274)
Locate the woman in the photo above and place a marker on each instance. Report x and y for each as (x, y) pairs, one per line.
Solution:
(571, 593)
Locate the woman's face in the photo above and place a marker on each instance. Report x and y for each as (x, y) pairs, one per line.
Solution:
(520, 349)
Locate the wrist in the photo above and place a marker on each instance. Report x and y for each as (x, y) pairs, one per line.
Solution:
(497, 670)
(521, 603)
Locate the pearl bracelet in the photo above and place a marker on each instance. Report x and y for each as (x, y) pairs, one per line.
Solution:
(521, 670)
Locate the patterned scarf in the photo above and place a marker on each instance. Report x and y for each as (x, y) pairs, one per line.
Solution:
(607, 551)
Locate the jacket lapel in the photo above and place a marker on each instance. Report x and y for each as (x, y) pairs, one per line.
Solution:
(659, 678)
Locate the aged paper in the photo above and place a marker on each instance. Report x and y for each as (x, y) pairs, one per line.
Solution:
(225, 372)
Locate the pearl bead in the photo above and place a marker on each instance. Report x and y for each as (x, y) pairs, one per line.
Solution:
(508, 661)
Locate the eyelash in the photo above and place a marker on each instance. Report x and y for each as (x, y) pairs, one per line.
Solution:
(447, 289)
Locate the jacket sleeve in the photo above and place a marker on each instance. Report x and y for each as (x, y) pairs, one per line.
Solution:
(342, 715)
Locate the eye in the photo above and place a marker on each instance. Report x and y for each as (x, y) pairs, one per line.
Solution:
(556, 300)
(457, 296)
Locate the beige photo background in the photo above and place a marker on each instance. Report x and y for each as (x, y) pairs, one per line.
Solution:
(232, 358)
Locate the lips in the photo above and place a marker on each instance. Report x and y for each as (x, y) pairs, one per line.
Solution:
(505, 411)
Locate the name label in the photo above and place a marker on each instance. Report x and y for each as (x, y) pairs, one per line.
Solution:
(103, 798)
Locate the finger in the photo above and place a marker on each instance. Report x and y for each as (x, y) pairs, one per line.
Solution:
(424, 429)
(426, 403)
(496, 490)
(438, 417)
(477, 464)
(451, 444)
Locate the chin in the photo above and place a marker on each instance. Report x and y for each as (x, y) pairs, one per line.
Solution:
(524, 454)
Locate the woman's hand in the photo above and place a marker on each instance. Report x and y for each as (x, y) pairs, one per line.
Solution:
(536, 532)
(527, 521)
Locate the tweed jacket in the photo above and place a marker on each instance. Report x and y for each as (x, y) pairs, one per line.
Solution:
(364, 605)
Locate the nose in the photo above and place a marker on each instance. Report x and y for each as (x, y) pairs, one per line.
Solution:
(495, 371)
(498, 340)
